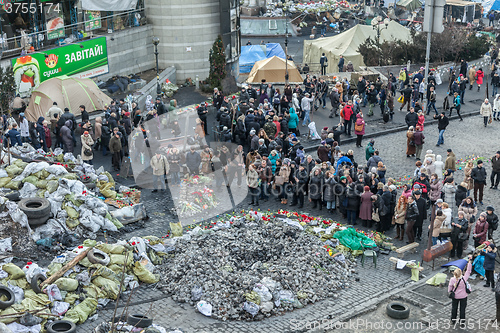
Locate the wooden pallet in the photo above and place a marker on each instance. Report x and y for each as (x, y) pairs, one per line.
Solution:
(402, 250)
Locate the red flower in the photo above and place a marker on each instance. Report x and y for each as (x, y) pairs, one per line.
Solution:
(29, 263)
(27, 267)
(133, 243)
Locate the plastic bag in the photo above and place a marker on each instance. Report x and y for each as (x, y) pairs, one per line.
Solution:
(3, 173)
(82, 311)
(139, 244)
(204, 308)
(66, 284)
(196, 293)
(27, 190)
(18, 293)
(59, 308)
(269, 283)
(143, 274)
(83, 278)
(57, 170)
(265, 295)
(6, 245)
(353, 239)
(251, 308)
(284, 296)
(54, 293)
(14, 271)
(266, 307)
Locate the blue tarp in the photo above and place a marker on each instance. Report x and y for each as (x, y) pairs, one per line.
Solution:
(460, 263)
(274, 49)
(250, 54)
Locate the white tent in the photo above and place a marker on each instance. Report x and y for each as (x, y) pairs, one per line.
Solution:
(347, 44)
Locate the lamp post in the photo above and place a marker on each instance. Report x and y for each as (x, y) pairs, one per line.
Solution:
(286, 48)
(376, 25)
(156, 41)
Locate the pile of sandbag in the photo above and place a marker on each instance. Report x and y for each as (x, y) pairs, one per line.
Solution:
(87, 286)
(74, 207)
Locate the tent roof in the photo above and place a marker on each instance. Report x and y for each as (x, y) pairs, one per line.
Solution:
(460, 3)
(273, 70)
(409, 4)
(68, 92)
(252, 53)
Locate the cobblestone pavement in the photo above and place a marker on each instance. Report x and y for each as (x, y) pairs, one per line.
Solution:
(375, 286)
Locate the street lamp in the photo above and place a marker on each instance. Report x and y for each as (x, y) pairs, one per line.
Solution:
(286, 48)
(376, 25)
(156, 41)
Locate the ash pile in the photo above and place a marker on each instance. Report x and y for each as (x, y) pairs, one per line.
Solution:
(251, 267)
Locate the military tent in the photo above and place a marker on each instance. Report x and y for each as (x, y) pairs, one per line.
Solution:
(250, 54)
(347, 44)
(273, 70)
(69, 93)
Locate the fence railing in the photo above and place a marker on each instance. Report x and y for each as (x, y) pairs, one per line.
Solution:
(13, 46)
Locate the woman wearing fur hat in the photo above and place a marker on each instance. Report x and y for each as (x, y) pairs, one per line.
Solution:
(480, 230)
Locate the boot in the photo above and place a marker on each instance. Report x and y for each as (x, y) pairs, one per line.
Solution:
(470, 88)
(478, 88)
(402, 233)
(398, 232)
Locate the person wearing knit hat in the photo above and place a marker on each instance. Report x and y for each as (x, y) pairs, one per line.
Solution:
(480, 230)
(478, 175)
(492, 220)
(489, 253)
(87, 144)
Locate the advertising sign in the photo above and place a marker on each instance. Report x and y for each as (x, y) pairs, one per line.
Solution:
(55, 23)
(92, 20)
(82, 60)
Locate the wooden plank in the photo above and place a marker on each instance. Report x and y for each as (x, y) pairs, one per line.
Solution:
(395, 260)
(66, 268)
(407, 247)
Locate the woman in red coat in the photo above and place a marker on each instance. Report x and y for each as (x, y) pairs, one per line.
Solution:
(479, 78)
(365, 209)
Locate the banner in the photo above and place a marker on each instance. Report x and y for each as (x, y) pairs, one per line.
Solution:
(109, 5)
(92, 20)
(82, 60)
(55, 22)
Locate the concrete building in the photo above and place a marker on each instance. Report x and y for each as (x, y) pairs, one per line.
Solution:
(188, 28)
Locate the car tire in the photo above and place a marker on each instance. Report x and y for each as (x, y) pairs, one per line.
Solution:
(36, 280)
(61, 326)
(38, 221)
(138, 320)
(96, 256)
(10, 297)
(398, 310)
(35, 207)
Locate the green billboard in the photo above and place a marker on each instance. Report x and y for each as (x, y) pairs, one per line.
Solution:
(82, 60)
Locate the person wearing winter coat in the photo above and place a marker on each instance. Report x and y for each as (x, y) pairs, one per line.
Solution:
(451, 161)
(449, 190)
(496, 107)
(360, 124)
(14, 136)
(412, 214)
(193, 160)
(469, 208)
(479, 78)
(467, 176)
(495, 171)
(174, 160)
(115, 147)
(160, 166)
(399, 216)
(329, 197)
(458, 235)
(489, 253)
(253, 184)
(87, 144)
(365, 209)
(458, 286)
(461, 193)
(335, 102)
(40, 131)
(486, 111)
(438, 221)
(352, 204)
(446, 226)
(480, 230)
(316, 188)
(439, 165)
(293, 122)
(492, 220)
(435, 189)
(422, 214)
(478, 174)
(66, 137)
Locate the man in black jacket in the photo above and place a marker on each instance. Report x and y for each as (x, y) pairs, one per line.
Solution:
(362, 89)
(202, 114)
(442, 124)
(495, 163)
(335, 100)
(406, 92)
(422, 214)
(301, 178)
(479, 176)
(411, 118)
(492, 220)
(385, 213)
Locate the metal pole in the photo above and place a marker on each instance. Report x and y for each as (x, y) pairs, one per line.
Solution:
(158, 88)
(427, 56)
(286, 50)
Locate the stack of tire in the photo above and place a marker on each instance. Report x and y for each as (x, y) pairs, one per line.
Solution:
(36, 209)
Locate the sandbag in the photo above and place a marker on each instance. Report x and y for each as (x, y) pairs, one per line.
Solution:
(105, 272)
(143, 274)
(111, 248)
(110, 288)
(41, 183)
(30, 179)
(110, 178)
(176, 228)
(82, 311)
(11, 310)
(4, 181)
(14, 271)
(71, 297)
(66, 284)
(54, 267)
(13, 185)
(13, 170)
(71, 176)
(94, 292)
(119, 259)
(72, 213)
(20, 163)
(72, 223)
(52, 185)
